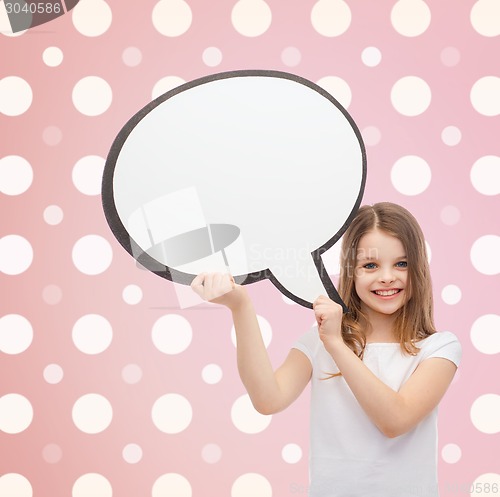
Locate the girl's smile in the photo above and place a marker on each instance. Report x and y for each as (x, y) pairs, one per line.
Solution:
(387, 294)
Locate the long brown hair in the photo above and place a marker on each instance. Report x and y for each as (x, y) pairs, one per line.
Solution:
(414, 321)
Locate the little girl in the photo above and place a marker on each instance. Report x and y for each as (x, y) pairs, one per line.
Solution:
(377, 372)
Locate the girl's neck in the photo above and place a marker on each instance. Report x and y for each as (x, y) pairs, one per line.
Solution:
(380, 328)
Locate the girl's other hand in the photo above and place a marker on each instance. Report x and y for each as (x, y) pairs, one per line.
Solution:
(219, 288)
(329, 318)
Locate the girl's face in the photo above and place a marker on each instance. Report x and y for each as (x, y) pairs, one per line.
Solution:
(381, 274)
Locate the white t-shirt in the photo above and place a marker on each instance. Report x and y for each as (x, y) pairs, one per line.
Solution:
(349, 456)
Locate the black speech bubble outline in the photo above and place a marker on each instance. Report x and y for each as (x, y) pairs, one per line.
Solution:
(21, 19)
(128, 243)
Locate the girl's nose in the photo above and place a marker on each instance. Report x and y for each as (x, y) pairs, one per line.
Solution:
(387, 275)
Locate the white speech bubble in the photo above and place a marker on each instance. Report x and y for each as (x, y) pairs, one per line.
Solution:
(257, 171)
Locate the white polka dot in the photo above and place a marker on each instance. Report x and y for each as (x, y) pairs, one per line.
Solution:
(485, 96)
(53, 215)
(53, 374)
(172, 17)
(132, 56)
(92, 334)
(132, 374)
(291, 453)
(485, 413)
(451, 453)
(211, 453)
(450, 215)
(484, 254)
(411, 96)
(485, 175)
(411, 175)
(172, 413)
(485, 334)
(87, 174)
(92, 413)
(92, 17)
(5, 27)
(251, 485)
(371, 136)
(52, 453)
(172, 484)
(132, 453)
(371, 56)
(92, 254)
(16, 334)
(52, 136)
(484, 17)
(410, 17)
(92, 485)
(52, 294)
(212, 56)
(211, 374)
(487, 483)
(16, 413)
(53, 56)
(166, 84)
(338, 89)
(265, 329)
(291, 56)
(15, 485)
(92, 96)
(331, 17)
(246, 418)
(251, 17)
(132, 294)
(16, 175)
(172, 334)
(16, 254)
(450, 56)
(16, 96)
(451, 136)
(451, 294)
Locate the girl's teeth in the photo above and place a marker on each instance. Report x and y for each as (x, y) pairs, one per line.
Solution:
(386, 293)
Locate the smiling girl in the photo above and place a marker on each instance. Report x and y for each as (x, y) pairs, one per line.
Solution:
(377, 372)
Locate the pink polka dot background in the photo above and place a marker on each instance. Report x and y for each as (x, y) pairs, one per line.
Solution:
(108, 386)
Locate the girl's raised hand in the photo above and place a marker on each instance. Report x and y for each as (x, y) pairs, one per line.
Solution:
(329, 318)
(219, 288)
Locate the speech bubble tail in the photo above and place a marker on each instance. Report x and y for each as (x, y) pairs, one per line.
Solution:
(304, 280)
(330, 288)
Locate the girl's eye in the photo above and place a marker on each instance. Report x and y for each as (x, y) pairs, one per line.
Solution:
(370, 265)
(402, 264)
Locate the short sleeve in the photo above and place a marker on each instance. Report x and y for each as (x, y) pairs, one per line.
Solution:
(308, 343)
(442, 344)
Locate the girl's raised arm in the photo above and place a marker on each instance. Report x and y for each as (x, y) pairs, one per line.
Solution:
(394, 413)
(270, 391)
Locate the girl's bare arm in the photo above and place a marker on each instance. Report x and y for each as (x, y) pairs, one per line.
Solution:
(394, 413)
(270, 391)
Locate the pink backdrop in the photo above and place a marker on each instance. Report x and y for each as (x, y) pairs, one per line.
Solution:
(107, 386)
